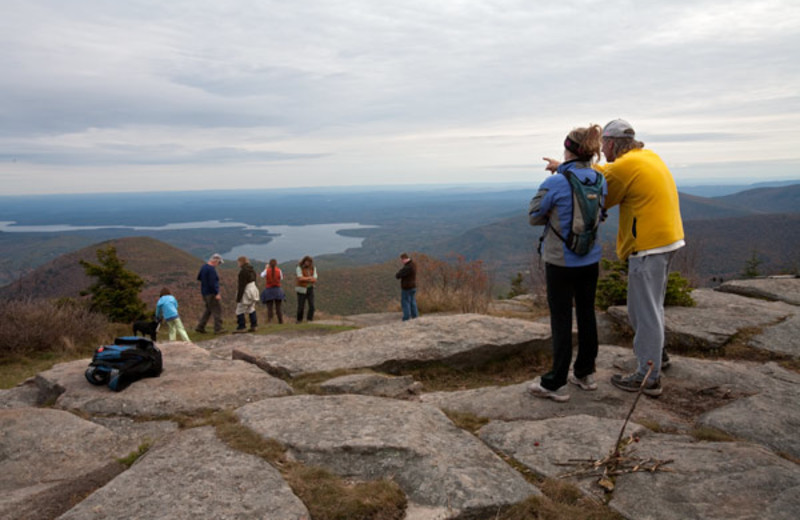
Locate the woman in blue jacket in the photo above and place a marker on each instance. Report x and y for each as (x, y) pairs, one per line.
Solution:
(167, 309)
(569, 276)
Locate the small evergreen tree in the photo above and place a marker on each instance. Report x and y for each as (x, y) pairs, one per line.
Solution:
(751, 266)
(612, 288)
(115, 293)
(517, 286)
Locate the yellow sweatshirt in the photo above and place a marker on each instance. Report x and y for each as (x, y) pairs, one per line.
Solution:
(649, 211)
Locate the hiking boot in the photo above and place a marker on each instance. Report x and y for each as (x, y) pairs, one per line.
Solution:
(584, 383)
(240, 331)
(632, 383)
(221, 331)
(199, 330)
(538, 390)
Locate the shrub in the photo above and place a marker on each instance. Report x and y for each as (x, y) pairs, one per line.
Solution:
(39, 326)
(451, 286)
(116, 291)
(612, 287)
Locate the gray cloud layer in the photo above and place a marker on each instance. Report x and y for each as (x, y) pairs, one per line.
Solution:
(381, 92)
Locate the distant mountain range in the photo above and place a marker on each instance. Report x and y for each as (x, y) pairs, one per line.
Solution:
(722, 234)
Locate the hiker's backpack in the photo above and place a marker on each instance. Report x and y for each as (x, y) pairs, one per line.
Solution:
(587, 212)
(129, 359)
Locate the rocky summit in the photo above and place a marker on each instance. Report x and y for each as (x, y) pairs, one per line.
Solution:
(720, 443)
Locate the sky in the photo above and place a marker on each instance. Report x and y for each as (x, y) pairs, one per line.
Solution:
(154, 95)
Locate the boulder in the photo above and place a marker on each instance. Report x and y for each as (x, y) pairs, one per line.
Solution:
(380, 385)
(192, 381)
(194, 475)
(437, 464)
(778, 288)
(49, 456)
(704, 480)
(24, 395)
(715, 320)
(460, 340)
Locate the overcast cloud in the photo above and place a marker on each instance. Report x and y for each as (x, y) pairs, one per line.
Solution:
(145, 95)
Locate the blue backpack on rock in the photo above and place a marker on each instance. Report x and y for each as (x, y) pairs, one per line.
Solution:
(129, 359)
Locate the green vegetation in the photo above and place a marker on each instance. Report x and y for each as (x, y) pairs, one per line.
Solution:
(115, 293)
(133, 456)
(751, 265)
(612, 287)
(517, 286)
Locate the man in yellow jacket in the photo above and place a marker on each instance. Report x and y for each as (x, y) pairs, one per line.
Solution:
(650, 232)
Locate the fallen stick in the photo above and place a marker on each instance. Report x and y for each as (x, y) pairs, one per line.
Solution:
(615, 449)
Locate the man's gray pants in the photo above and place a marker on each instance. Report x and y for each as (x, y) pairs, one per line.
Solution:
(647, 286)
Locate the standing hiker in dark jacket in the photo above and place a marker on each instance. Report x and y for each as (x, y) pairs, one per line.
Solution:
(209, 288)
(246, 296)
(408, 287)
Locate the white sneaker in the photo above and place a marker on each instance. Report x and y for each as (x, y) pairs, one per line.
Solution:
(584, 383)
(538, 390)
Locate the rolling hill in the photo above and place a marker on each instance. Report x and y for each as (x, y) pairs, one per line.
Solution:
(341, 290)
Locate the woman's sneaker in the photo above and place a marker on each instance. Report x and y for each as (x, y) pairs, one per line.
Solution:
(632, 383)
(584, 383)
(538, 390)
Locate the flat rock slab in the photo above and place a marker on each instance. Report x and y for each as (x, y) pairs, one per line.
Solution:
(459, 340)
(770, 419)
(547, 446)
(192, 381)
(710, 480)
(437, 464)
(779, 288)
(380, 385)
(696, 392)
(725, 481)
(716, 319)
(48, 456)
(194, 475)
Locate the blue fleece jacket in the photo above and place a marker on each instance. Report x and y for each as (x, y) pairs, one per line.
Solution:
(167, 308)
(553, 204)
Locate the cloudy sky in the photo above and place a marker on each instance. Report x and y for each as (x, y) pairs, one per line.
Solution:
(150, 95)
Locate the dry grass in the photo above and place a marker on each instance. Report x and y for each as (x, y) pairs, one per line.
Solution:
(30, 327)
(466, 421)
(459, 286)
(327, 496)
(439, 377)
(561, 501)
(709, 434)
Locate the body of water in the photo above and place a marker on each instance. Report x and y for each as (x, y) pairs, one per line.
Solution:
(295, 242)
(290, 242)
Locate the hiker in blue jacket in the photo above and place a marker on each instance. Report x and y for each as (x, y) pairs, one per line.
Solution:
(569, 275)
(167, 310)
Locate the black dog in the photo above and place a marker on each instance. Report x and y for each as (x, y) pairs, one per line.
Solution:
(147, 328)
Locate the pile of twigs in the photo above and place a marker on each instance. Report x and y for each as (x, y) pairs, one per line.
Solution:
(617, 462)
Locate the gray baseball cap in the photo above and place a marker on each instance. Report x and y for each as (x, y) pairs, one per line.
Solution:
(619, 128)
(217, 256)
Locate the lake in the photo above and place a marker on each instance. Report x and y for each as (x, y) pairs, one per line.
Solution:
(290, 242)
